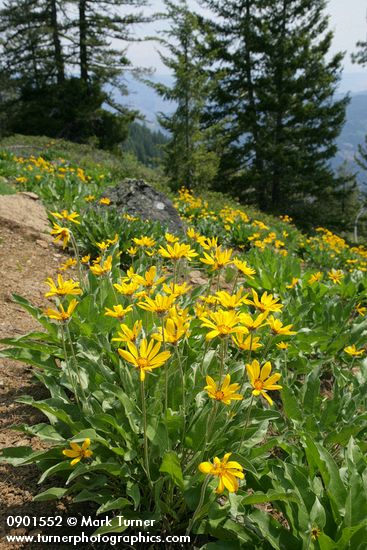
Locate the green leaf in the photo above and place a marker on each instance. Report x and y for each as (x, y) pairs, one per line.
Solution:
(55, 493)
(348, 532)
(270, 496)
(321, 461)
(32, 357)
(36, 313)
(158, 435)
(15, 455)
(291, 405)
(116, 504)
(171, 466)
(61, 467)
(133, 491)
(49, 409)
(115, 527)
(318, 515)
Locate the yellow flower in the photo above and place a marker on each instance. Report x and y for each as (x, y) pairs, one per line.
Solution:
(69, 263)
(118, 311)
(149, 279)
(77, 453)
(315, 533)
(146, 357)
(282, 345)
(126, 289)
(144, 241)
(64, 215)
(132, 251)
(222, 323)
(61, 233)
(253, 324)
(175, 328)
(293, 283)
(208, 243)
(247, 344)
(230, 301)
(105, 200)
(63, 287)
(361, 310)
(277, 327)
(177, 251)
(102, 245)
(266, 303)
(61, 314)
(90, 198)
(315, 277)
(227, 472)
(261, 380)
(85, 259)
(218, 259)
(244, 268)
(114, 240)
(127, 334)
(352, 350)
(175, 289)
(101, 269)
(336, 275)
(225, 393)
(171, 238)
(159, 305)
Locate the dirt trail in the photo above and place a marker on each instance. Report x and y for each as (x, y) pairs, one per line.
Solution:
(27, 258)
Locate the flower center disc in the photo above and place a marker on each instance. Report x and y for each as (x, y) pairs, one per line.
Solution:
(219, 395)
(258, 384)
(223, 329)
(142, 362)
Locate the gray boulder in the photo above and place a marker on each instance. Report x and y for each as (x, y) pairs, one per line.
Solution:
(139, 199)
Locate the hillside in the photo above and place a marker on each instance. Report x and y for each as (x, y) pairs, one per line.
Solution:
(212, 381)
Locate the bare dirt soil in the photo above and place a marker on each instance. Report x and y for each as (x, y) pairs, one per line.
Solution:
(27, 258)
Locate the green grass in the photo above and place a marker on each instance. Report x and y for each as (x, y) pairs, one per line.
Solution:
(5, 188)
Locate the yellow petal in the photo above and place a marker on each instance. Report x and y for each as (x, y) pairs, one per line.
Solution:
(70, 453)
(86, 444)
(265, 371)
(127, 356)
(205, 467)
(220, 487)
(264, 394)
(230, 482)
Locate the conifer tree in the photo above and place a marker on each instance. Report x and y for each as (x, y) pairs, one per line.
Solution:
(100, 33)
(278, 90)
(190, 156)
(31, 41)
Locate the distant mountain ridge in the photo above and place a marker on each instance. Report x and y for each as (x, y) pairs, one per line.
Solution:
(146, 100)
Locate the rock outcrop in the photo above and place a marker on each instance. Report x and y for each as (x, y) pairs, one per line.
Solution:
(139, 199)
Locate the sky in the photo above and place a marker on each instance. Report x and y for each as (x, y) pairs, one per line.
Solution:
(347, 20)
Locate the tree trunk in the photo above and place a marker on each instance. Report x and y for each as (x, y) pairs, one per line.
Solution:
(260, 179)
(278, 136)
(83, 54)
(59, 59)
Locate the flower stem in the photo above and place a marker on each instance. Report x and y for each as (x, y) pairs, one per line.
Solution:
(199, 506)
(71, 374)
(76, 366)
(77, 255)
(144, 410)
(183, 392)
(165, 369)
(247, 423)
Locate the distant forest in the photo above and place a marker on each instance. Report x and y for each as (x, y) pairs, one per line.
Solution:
(145, 144)
(254, 89)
